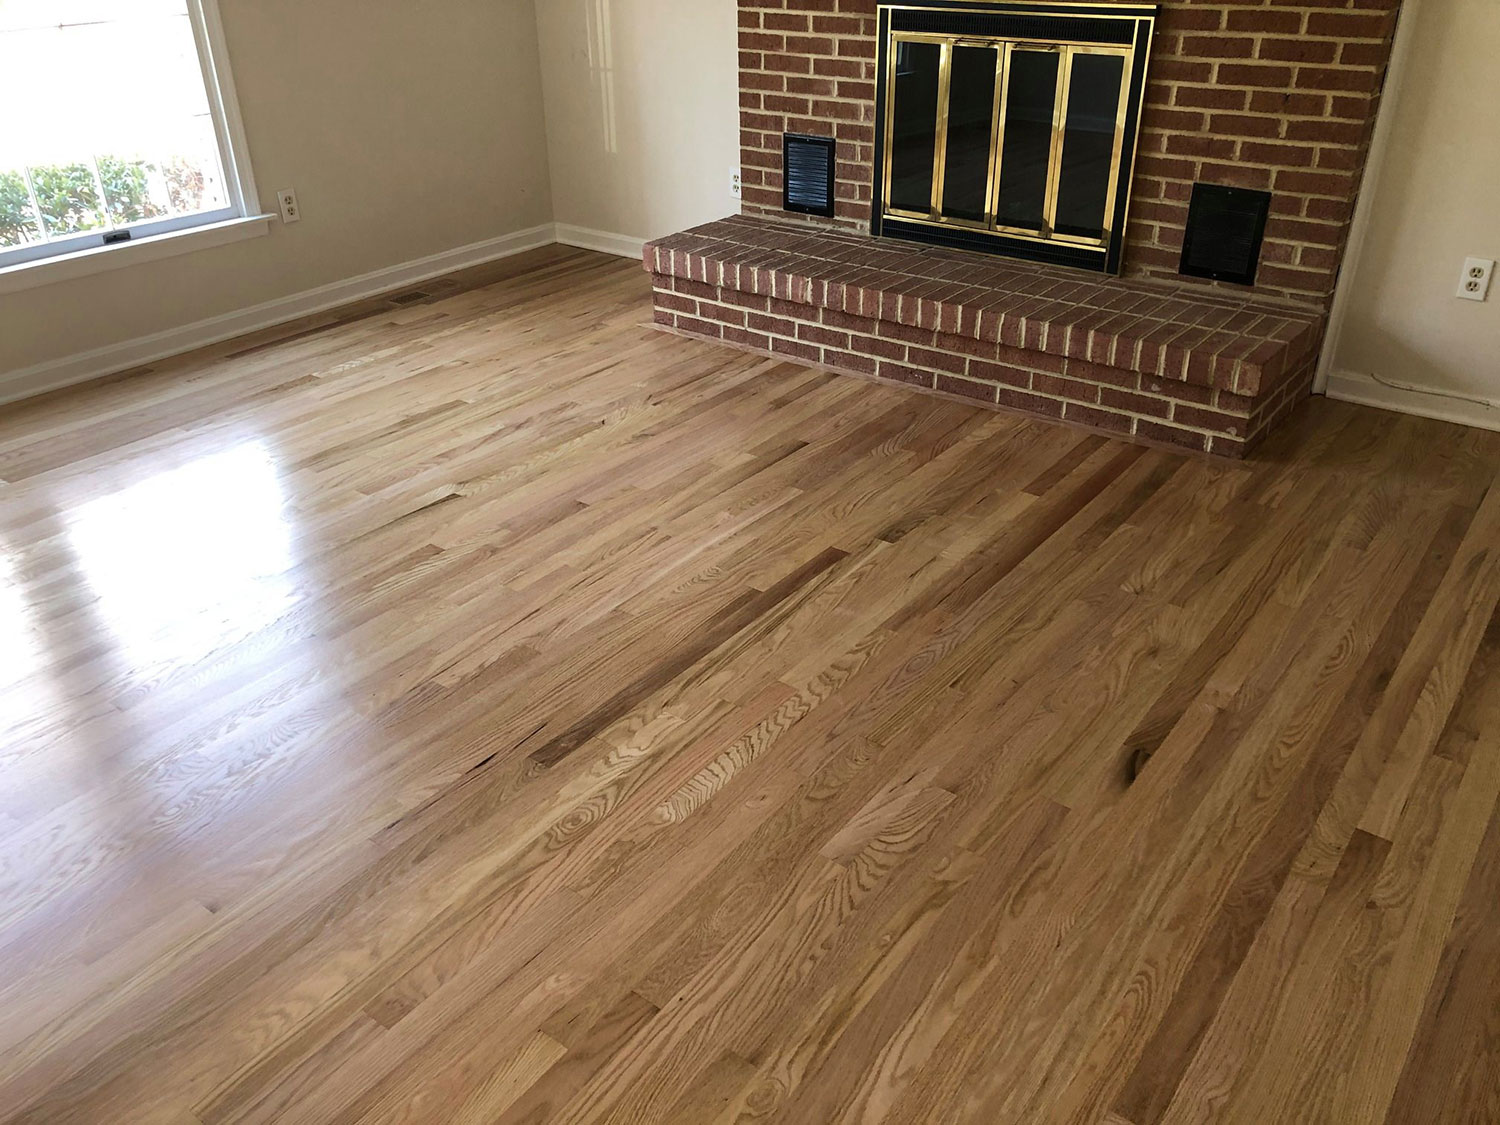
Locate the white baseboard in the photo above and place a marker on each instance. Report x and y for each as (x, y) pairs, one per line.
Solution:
(69, 370)
(1352, 386)
(601, 240)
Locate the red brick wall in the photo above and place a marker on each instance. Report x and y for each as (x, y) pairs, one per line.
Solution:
(1267, 94)
(1071, 389)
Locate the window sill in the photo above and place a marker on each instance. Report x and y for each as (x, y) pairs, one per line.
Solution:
(98, 259)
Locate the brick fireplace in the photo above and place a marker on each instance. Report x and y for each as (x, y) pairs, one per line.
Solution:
(1274, 96)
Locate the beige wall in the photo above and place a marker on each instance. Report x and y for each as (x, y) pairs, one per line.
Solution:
(1434, 203)
(407, 128)
(642, 112)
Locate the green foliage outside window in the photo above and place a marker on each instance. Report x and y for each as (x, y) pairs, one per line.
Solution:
(68, 196)
(186, 185)
(127, 190)
(17, 223)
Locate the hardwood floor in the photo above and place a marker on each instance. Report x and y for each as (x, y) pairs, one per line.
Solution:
(482, 708)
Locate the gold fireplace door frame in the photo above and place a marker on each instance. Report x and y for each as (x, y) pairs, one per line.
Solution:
(1004, 48)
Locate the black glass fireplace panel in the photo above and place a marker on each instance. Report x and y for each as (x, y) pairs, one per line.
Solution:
(1089, 143)
(971, 118)
(1026, 150)
(1058, 182)
(914, 125)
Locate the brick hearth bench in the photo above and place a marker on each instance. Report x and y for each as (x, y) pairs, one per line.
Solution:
(1204, 369)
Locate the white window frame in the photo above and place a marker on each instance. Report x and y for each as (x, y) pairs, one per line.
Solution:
(23, 267)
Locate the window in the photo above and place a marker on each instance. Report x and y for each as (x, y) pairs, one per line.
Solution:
(118, 125)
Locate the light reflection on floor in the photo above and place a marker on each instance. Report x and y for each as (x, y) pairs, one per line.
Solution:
(20, 656)
(29, 702)
(171, 729)
(18, 645)
(189, 560)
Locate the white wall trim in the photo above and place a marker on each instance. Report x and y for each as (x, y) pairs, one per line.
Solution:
(603, 241)
(1364, 204)
(213, 53)
(100, 259)
(1353, 386)
(69, 370)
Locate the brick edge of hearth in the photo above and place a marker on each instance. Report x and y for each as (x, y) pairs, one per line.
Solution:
(1117, 401)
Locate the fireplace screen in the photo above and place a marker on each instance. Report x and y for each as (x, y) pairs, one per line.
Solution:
(1010, 127)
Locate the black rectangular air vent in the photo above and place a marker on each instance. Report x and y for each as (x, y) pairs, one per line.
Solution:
(807, 181)
(1224, 230)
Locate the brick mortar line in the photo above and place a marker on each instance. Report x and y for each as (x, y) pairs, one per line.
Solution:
(1170, 421)
(1238, 34)
(718, 269)
(1029, 388)
(1213, 60)
(1256, 114)
(1025, 324)
(1236, 447)
(1290, 194)
(1168, 131)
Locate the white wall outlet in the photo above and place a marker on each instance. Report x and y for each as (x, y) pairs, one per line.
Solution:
(286, 199)
(1474, 285)
(736, 185)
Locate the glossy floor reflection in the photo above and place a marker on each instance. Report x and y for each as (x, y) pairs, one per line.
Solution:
(191, 559)
(18, 643)
(483, 709)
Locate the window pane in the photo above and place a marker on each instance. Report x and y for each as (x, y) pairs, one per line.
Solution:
(1026, 151)
(18, 221)
(914, 126)
(1089, 143)
(128, 190)
(971, 110)
(108, 118)
(68, 197)
(190, 177)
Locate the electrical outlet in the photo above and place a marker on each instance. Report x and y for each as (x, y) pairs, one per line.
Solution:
(287, 200)
(1474, 285)
(736, 186)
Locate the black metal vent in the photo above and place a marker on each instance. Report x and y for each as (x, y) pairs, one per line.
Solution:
(807, 180)
(1224, 230)
(1011, 26)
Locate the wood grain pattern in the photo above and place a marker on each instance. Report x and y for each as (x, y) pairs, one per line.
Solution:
(475, 706)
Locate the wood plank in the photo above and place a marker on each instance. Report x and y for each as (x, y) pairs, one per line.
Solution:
(628, 728)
